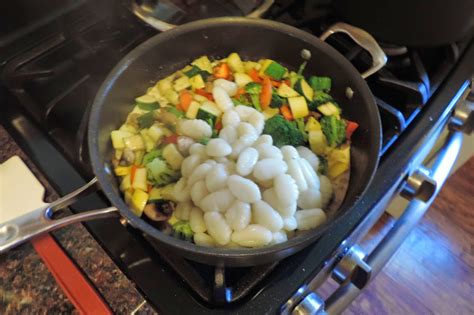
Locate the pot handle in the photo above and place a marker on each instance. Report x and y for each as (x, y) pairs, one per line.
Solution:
(39, 221)
(364, 40)
(163, 26)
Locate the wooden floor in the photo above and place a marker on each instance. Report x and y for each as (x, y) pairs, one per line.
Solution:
(433, 271)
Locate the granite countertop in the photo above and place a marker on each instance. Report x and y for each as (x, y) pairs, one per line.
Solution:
(27, 287)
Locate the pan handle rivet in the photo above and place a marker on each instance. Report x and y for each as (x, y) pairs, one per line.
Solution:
(123, 221)
(349, 92)
(305, 54)
(7, 232)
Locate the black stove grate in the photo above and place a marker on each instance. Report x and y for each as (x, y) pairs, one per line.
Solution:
(216, 285)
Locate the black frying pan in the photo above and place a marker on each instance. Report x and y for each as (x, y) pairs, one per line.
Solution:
(252, 39)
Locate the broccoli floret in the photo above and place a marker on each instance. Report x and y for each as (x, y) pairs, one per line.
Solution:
(183, 231)
(254, 90)
(150, 156)
(283, 132)
(334, 129)
(301, 127)
(242, 100)
(320, 98)
(276, 101)
(160, 173)
(323, 165)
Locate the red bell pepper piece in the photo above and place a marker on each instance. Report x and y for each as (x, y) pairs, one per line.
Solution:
(286, 112)
(266, 95)
(202, 92)
(351, 126)
(222, 71)
(171, 139)
(185, 99)
(133, 170)
(254, 75)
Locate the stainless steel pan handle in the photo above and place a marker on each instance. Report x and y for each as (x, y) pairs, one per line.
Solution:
(364, 40)
(24, 228)
(163, 26)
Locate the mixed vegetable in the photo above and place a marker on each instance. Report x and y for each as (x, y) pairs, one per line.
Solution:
(220, 114)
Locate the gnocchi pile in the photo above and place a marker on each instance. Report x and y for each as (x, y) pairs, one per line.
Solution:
(231, 153)
(241, 190)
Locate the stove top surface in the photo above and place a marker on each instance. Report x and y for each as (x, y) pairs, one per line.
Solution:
(55, 59)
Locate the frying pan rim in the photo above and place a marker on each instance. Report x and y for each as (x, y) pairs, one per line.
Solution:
(190, 248)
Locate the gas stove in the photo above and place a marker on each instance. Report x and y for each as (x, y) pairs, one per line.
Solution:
(53, 62)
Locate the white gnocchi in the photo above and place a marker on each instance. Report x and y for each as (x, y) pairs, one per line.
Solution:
(183, 210)
(198, 192)
(269, 168)
(309, 218)
(199, 173)
(223, 100)
(216, 178)
(239, 190)
(194, 128)
(268, 151)
(286, 189)
(243, 189)
(246, 161)
(218, 201)
(266, 216)
(181, 191)
(189, 164)
(217, 227)
(228, 134)
(253, 235)
(326, 191)
(218, 148)
(228, 86)
(238, 215)
(309, 156)
(203, 239)
(196, 220)
(230, 118)
(263, 139)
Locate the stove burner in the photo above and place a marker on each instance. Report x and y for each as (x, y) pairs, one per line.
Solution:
(216, 285)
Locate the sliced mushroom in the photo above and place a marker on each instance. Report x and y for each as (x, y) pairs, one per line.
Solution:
(154, 214)
(167, 207)
(158, 212)
(128, 157)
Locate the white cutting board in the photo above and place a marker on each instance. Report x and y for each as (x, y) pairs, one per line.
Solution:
(20, 190)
